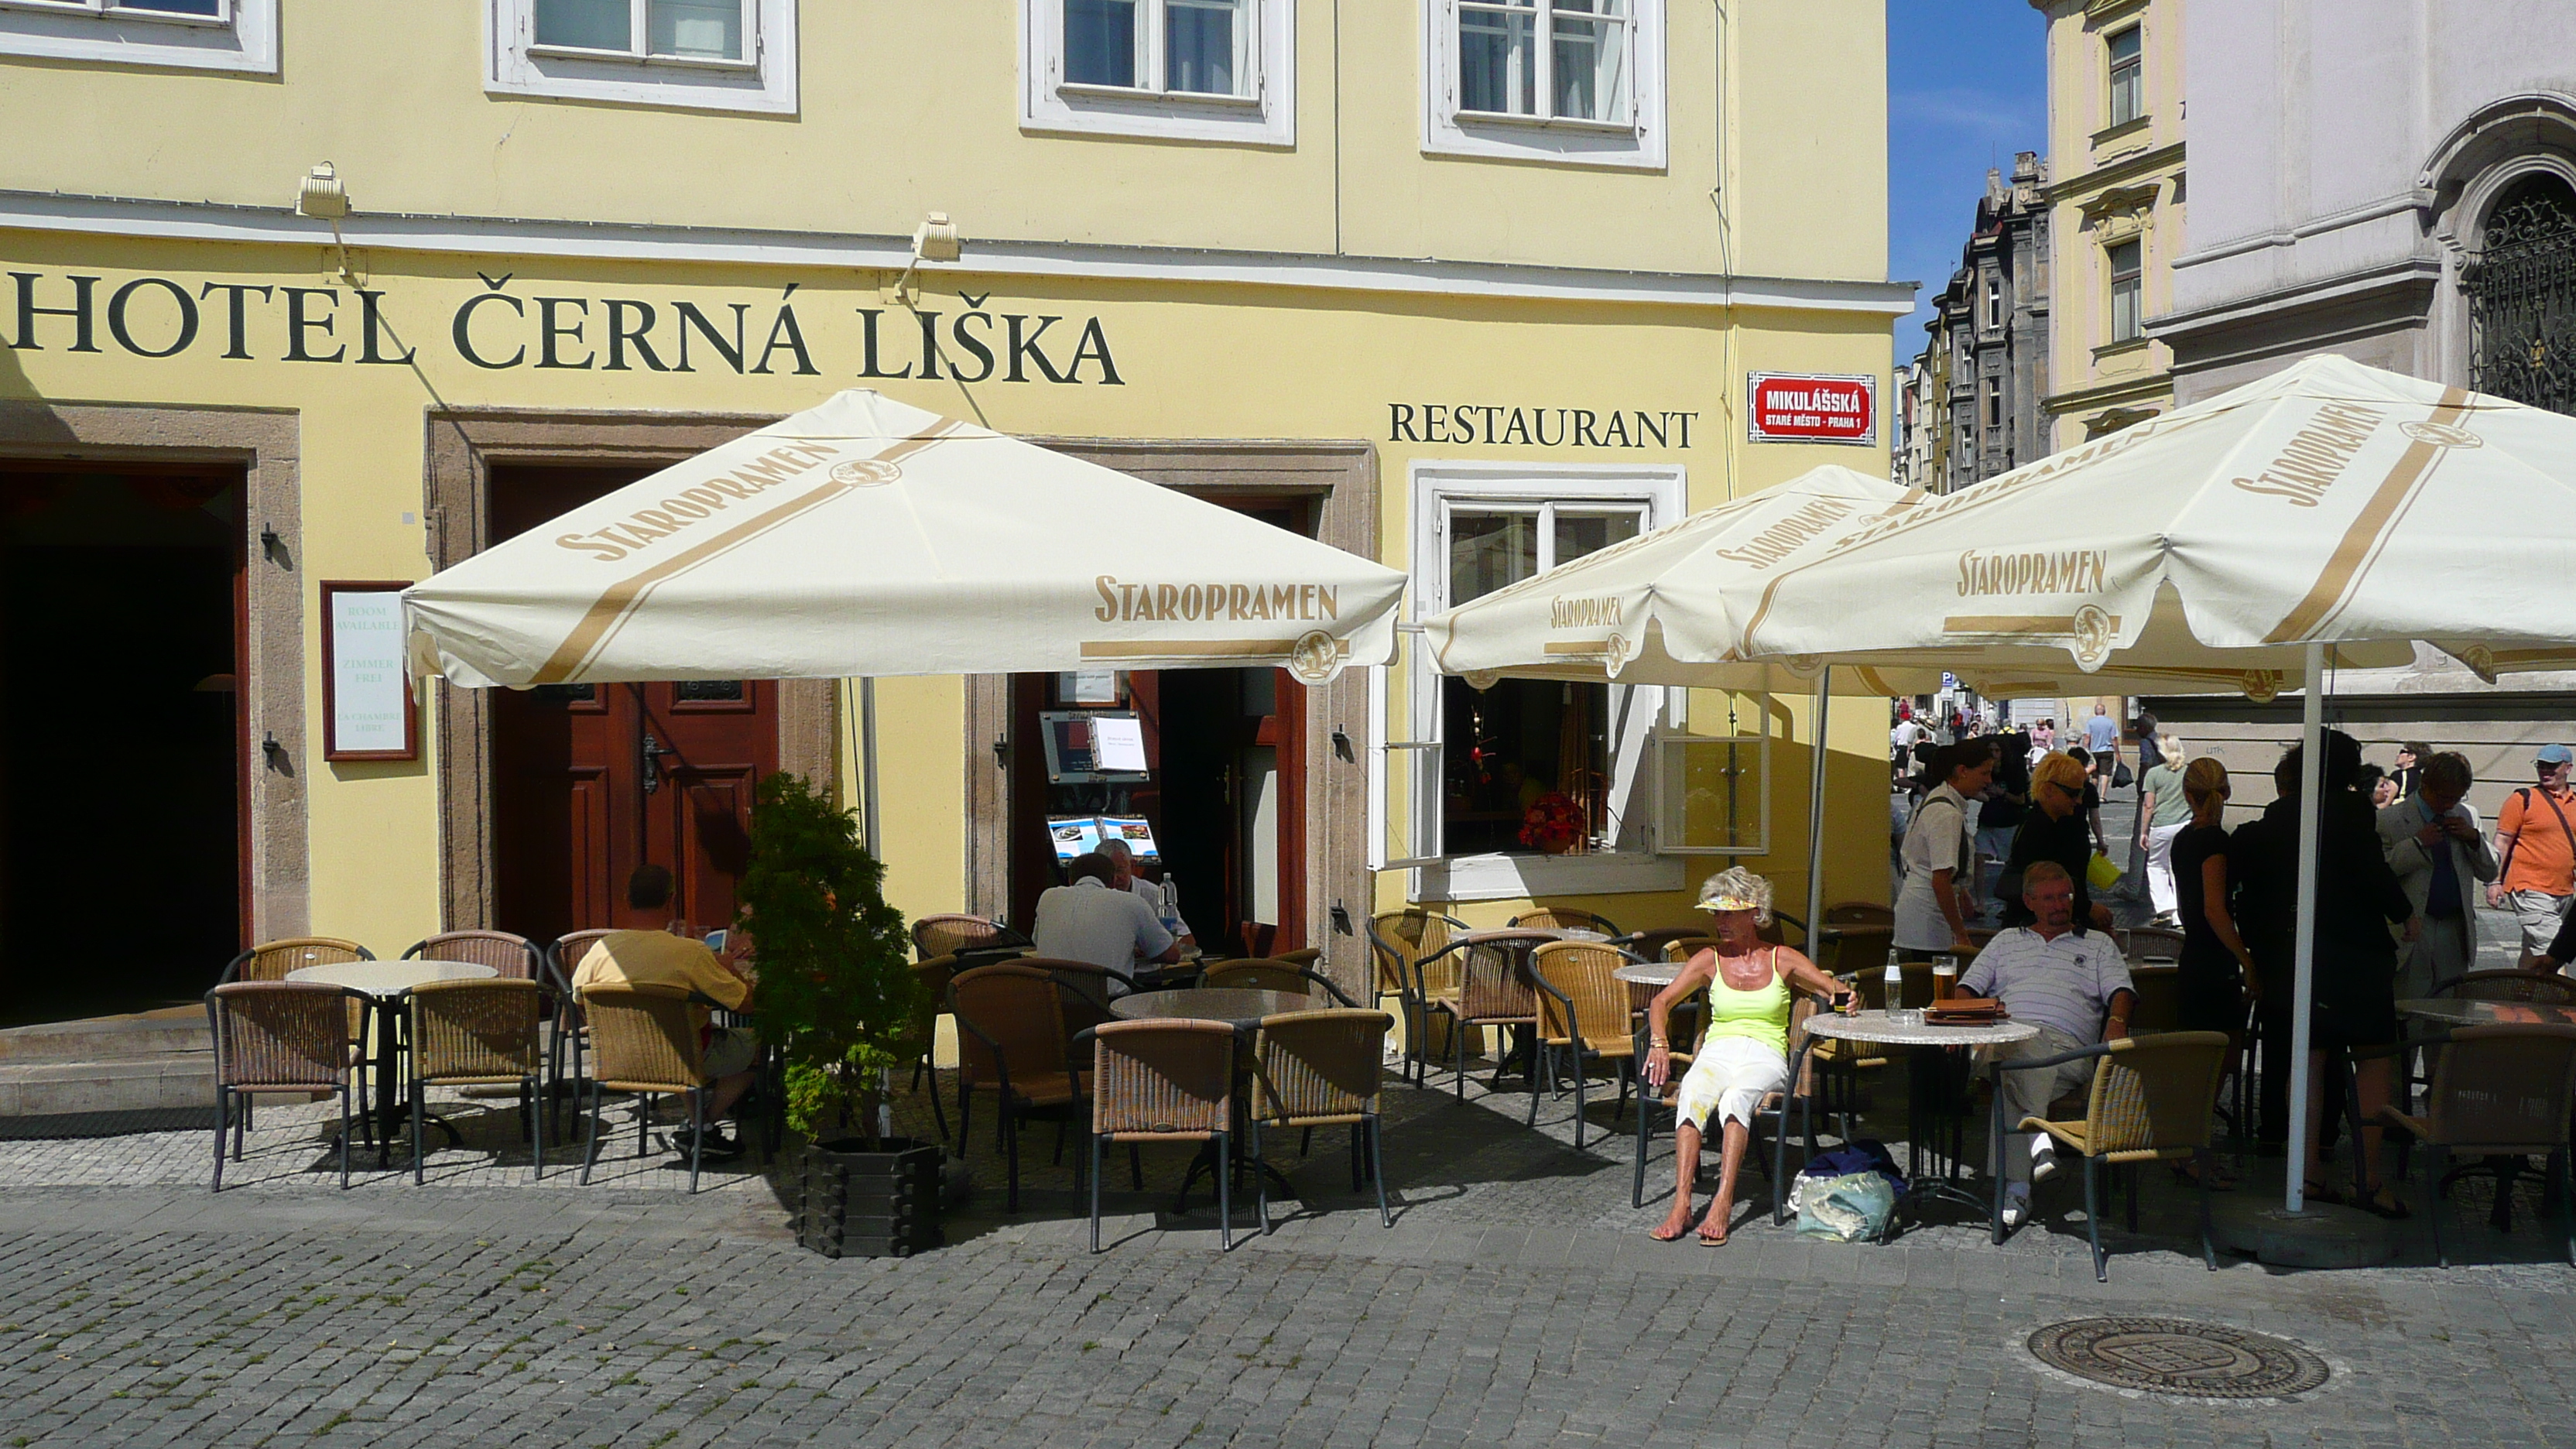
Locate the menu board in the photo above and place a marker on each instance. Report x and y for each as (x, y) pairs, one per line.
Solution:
(1081, 834)
(367, 707)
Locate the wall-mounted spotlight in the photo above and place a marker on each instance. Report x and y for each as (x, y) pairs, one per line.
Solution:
(321, 196)
(935, 240)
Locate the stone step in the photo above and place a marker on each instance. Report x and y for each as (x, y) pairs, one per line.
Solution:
(107, 1038)
(120, 1084)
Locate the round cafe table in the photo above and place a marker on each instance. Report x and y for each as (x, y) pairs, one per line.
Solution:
(1651, 973)
(2451, 1011)
(1926, 1108)
(1237, 1007)
(386, 982)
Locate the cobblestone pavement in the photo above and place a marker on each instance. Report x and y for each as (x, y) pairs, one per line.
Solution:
(1515, 1301)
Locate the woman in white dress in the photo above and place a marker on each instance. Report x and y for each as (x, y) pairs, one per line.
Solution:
(1743, 1056)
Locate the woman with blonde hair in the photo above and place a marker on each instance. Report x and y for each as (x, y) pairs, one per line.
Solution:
(2163, 810)
(1743, 1056)
(2055, 831)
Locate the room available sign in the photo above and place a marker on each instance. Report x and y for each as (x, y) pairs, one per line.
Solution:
(1788, 407)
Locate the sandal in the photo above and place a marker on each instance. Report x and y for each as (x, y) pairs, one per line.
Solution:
(2189, 1176)
(2325, 1192)
(2381, 1203)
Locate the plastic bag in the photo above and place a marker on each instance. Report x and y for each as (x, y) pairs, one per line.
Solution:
(1846, 1209)
(2100, 873)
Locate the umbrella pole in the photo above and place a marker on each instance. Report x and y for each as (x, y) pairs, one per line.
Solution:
(1816, 811)
(2304, 959)
(868, 766)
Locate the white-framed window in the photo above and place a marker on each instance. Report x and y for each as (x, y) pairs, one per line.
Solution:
(1186, 70)
(1467, 779)
(1572, 80)
(2127, 272)
(718, 55)
(1994, 304)
(238, 35)
(2128, 74)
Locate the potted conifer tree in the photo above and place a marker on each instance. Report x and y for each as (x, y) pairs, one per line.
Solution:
(838, 1000)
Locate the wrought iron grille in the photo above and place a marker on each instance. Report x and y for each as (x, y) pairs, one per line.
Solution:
(2522, 297)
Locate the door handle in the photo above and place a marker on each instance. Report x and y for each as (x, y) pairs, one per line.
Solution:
(649, 753)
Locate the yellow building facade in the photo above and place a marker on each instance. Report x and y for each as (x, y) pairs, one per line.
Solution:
(1394, 275)
(2115, 139)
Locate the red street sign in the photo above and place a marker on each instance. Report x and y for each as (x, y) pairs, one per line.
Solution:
(1812, 408)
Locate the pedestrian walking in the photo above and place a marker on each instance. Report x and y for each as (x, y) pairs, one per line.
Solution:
(2101, 742)
(2431, 840)
(2163, 811)
(2537, 874)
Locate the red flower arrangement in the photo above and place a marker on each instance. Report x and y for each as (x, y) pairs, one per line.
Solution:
(1554, 824)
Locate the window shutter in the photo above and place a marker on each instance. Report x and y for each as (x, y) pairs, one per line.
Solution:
(1405, 772)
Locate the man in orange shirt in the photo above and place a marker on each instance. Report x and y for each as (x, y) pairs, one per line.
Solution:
(659, 958)
(2536, 834)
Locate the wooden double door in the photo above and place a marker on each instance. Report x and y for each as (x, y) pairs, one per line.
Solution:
(590, 781)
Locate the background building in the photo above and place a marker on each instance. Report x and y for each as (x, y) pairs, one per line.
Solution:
(2115, 145)
(1985, 365)
(2393, 180)
(1387, 275)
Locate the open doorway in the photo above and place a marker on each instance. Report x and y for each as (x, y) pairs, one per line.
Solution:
(591, 780)
(1222, 792)
(122, 769)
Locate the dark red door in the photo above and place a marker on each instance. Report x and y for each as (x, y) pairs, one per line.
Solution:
(591, 780)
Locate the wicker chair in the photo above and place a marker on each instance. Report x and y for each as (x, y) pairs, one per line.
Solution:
(2504, 1092)
(1310, 957)
(645, 1039)
(1083, 988)
(1272, 975)
(282, 1037)
(478, 1033)
(571, 1034)
(1397, 941)
(2546, 988)
(1582, 1013)
(271, 960)
(2151, 1101)
(1164, 1081)
(515, 958)
(1011, 1042)
(1562, 918)
(1481, 980)
(954, 935)
(934, 975)
(1315, 1069)
(2140, 943)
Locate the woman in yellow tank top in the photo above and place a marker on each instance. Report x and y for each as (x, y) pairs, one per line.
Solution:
(1745, 1054)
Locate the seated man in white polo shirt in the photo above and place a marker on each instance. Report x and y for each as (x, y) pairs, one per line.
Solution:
(1090, 921)
(2075, 989)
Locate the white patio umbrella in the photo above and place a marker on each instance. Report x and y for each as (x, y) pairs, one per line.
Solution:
(2330, 511)
(864, 537)
(1667, 608)
(1610, 616)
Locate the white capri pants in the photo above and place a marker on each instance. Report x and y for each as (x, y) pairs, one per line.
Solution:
(1729, 1077)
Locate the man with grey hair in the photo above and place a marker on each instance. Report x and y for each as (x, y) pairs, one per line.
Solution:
(2431, 840)
(2075, 989)
(1123, 877)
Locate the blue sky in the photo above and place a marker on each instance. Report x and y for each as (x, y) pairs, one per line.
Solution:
(1967, 86)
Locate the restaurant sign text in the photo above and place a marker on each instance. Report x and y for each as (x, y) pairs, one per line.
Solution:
(505, 327)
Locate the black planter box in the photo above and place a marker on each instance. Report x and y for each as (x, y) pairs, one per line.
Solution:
(861, 1204)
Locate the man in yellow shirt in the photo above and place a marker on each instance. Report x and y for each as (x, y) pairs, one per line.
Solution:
(658, 958)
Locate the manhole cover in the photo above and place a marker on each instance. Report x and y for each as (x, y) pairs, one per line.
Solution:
(2180, 1358)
